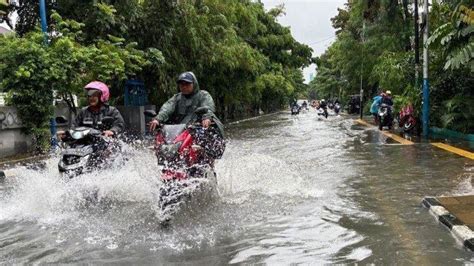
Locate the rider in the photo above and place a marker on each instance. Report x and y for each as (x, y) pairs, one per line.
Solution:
(387, 98)
(374, 108)
(91, 115)
(324, 106)
(180, 108)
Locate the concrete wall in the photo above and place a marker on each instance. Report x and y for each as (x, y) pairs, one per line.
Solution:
(12, 140)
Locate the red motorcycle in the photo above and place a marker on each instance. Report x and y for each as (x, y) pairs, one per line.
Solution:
(407, 120)
(186, 155)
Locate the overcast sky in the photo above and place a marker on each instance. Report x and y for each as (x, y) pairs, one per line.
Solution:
(310, 22)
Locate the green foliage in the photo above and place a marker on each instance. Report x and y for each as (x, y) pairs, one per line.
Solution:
(32, 72)
(459, 113)
(373, 44)
(239, 52)
(234, 47)
(456, 39)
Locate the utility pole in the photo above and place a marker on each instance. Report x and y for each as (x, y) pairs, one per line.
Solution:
(44, 25)
(361, 73)
(44, 29)
(426, 84)
(417, 46)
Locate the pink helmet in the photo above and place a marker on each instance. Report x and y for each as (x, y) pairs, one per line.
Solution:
(100, 86)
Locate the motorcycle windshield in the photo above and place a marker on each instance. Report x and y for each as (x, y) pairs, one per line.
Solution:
(170, 132)
(82, 132)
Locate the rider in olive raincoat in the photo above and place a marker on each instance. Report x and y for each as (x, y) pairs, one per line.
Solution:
(180, 108)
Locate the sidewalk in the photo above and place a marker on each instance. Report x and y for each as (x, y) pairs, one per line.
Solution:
(459, 148)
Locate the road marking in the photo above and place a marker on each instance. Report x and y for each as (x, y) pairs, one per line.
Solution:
(399, 139)
(362, 122)
(455, 150)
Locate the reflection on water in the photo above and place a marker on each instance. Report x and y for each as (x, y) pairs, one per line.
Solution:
(292, 190)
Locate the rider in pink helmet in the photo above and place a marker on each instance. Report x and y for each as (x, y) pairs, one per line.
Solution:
(92, 115)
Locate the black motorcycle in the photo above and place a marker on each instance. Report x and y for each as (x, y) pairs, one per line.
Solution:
(295, 109)
(385, 116)
(85, 148)
(337, 108)
(323, 111)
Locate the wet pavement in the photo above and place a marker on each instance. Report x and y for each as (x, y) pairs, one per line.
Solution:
(293, 190)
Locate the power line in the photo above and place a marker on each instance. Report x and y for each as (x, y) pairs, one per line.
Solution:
(322, 40)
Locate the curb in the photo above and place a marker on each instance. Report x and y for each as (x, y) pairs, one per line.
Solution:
(23, 160)
(455, 226)
(253, 118)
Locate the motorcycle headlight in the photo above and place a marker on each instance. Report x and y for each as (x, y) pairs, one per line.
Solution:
(168, 152)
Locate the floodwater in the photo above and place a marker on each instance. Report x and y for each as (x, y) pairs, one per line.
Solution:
(292, 190)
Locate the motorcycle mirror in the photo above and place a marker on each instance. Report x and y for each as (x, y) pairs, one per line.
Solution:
(150, 113)
(61, 120)
(108, 120)
(201, 110)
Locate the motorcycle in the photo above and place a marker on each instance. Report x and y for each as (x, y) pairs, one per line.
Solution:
(385, 116)
(85, 148)
(337, 108)
(407, 121)
(295, 109)
(186, 155)
(322, 111)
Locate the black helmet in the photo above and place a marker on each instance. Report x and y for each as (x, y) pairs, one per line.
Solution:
(186, 77)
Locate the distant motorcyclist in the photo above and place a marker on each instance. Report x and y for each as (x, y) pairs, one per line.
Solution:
(323, 105)
(295, 108)
(293, 103)
(91, 116)
(386, 103)
(304, 105)
(387, 98)
(337, 106)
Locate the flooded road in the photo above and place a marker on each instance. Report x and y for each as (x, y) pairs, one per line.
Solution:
(293, 190)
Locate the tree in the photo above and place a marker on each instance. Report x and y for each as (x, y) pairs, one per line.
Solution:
(32, 72)
(239, 52)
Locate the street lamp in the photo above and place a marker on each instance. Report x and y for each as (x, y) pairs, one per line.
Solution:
(362, 72)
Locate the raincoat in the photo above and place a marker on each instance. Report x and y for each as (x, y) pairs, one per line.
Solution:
(374, 108)
(88, 118)
(180, 108)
